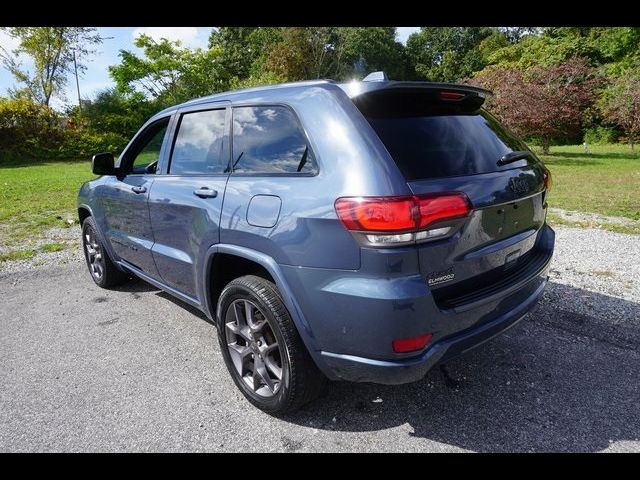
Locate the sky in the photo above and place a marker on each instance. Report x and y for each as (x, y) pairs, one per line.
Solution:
(96, 77)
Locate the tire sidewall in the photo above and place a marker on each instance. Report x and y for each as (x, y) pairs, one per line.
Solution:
(270, 404)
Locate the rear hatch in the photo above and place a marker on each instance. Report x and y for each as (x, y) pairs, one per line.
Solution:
(442, 141)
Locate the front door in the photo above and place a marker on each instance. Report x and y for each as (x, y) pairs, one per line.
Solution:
(128, 227)
(185, 202)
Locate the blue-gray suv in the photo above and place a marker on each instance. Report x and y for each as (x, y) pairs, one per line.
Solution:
(363, 231)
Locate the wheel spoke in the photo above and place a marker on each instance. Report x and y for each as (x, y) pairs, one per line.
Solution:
(239, 355)
(262, 374)
(239, 314)
(270, 364)
(268, 350)
(257, 326)
(248, 313)
(240, 331)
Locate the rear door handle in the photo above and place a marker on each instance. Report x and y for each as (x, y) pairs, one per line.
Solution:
(205, 192)
(141, 189)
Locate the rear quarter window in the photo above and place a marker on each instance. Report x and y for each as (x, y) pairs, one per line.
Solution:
(270, 140)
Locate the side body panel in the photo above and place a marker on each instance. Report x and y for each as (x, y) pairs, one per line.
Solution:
(184, 224)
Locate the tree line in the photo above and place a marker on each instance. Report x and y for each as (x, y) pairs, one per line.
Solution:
(551, 85)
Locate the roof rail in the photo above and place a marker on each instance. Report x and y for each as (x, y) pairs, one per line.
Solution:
(376, 77)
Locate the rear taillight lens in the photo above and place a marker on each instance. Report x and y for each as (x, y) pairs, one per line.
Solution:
(401, 220)
(434, 208)
(376, 214)
(548, 181)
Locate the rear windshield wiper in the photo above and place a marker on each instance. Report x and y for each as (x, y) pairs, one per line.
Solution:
(514, 157)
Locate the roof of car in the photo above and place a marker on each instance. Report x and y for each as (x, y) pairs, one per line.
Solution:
(280, 91)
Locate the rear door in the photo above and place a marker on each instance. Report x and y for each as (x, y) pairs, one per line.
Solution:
(442, 145)
(186, 199)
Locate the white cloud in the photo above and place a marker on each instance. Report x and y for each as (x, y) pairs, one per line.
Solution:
(189, 36)
(8, 42)
(404, 32)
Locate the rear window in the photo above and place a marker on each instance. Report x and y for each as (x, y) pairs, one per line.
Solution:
(434, 146)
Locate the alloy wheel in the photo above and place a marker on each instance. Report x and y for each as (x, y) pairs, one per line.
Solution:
(253, 348)
(94, 254)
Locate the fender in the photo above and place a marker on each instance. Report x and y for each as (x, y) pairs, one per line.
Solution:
(103, 239)
(274, 270)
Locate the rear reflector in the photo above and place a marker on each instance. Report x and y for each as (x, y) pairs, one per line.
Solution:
(404, 345)
(400, 214)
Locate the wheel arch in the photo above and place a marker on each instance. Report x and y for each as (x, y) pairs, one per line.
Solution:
(84, 212)
(269, 266)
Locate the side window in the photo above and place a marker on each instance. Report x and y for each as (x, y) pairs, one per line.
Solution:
(198, 146)
(147, 150)
(269, 139)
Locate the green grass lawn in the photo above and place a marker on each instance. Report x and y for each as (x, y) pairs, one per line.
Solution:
(37, 196)
(604, 181)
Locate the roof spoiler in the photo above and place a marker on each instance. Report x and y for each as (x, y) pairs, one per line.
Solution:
(357, 89)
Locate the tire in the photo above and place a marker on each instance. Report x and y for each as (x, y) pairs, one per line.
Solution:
(251, 354)
(102, 269)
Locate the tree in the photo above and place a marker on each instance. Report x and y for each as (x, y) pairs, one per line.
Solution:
(306, 53)
(111, 111)
(621, 105)
(243, 48)
(169, 72)
(53, 50)
(618, 48)
(447, 54)
(340, 53)
(370, 49)
(543, 103)
(515, 34)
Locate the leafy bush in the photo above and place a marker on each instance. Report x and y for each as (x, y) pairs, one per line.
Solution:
(28, 129)
(79, 143)
(600, 135)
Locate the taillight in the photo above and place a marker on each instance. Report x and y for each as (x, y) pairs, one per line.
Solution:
(548, 181)
(400, 220)
(434, 208)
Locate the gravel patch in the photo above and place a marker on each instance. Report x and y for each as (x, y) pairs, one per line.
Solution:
(593, 218)
(72, 252)
(599, 261)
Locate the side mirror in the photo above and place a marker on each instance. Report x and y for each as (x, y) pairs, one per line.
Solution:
(103, 164)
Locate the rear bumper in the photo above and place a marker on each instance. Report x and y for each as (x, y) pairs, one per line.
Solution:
(360, 369)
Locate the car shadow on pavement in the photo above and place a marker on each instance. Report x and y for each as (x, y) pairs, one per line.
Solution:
(561, 380)
(136, 286)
